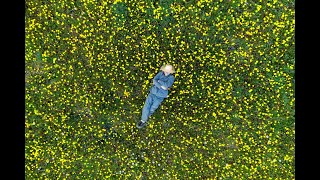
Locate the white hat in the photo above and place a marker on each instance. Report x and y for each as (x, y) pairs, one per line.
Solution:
(168, 68)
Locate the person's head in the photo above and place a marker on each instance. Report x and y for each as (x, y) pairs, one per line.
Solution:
(167, 69)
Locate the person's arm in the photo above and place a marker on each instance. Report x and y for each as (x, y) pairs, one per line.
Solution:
(168, 84)
(155, 80)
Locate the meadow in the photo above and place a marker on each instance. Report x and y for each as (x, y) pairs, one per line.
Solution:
(230, 113)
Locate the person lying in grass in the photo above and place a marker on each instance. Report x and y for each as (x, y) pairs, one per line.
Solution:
(159, 90)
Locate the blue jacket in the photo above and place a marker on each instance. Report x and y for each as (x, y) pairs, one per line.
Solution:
(161, 80)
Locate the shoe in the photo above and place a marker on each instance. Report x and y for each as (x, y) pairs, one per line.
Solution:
(141, 124)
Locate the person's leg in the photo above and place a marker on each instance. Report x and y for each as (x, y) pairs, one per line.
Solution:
(146, 108)
(156, 103)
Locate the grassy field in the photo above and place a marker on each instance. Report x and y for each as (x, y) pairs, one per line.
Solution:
(230, 112)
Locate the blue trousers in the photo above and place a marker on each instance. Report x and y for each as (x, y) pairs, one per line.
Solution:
(151, 104)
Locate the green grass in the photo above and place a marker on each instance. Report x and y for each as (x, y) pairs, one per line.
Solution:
(230, 112)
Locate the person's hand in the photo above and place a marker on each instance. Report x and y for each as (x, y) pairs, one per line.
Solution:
(164, 88)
